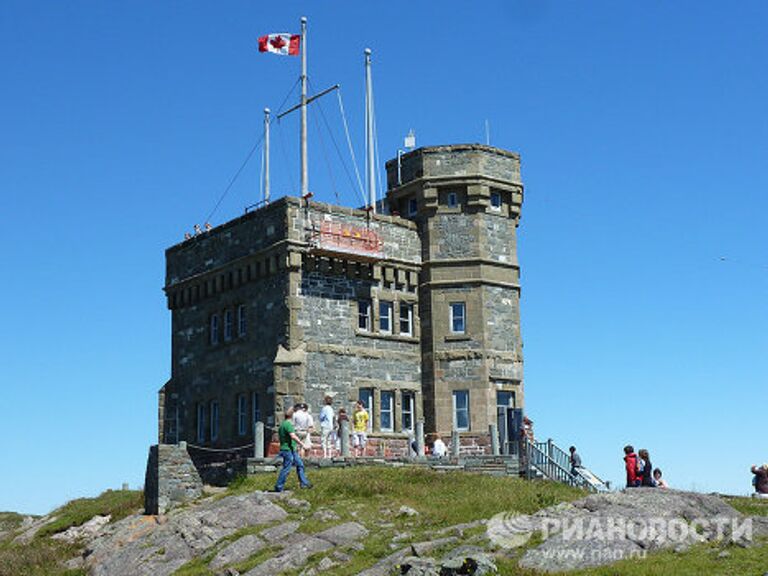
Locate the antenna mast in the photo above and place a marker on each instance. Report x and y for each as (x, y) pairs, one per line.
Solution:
(266, 155)
(304, 170)
(371, 164)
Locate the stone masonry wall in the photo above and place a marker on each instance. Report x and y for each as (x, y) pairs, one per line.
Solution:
(171, 478)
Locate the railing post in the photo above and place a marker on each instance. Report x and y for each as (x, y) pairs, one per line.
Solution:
(258, 440)
(550, 449)
(420, 438)
(494, 433)
(344, 440)
(455, 443)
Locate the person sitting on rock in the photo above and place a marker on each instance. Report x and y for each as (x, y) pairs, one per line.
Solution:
(660, 482)
(630, 462)
(761, 481)
(645, 469)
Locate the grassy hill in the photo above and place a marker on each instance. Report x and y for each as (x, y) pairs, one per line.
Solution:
(374, 497)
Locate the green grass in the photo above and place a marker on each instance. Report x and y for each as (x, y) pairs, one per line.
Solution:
(118, 503)
(41, 557)
(10, 521)
(749, 506)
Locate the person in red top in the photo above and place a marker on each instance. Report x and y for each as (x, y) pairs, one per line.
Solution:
(630, 459)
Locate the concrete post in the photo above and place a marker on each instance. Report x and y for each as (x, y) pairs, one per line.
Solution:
(455, 443)
(420, 438)
(344, 438)
(494, 433)
(258, 440)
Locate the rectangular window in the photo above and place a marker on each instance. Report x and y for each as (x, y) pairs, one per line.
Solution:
(406, 319)
(214, 329)
(461, 410)
(214, 421)
(256, 407)
(241, 320)
(458, 317)
(364, 315)
(387, 411)
(365, 395)
(385, 317)
(496, 200)
(413, 207)
(409, 403)
(452, 200)
(242, 415)
(201, 423)
(228, 325)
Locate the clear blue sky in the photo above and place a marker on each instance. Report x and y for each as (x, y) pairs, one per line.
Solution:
(644, 139)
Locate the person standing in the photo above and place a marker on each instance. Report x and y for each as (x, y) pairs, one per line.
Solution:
(761, 481)
(360, 428)
(327, 417)
(342, 417)
(646, 469)
(289, 442)
(575, 460)
(630, 463)
(304, 424)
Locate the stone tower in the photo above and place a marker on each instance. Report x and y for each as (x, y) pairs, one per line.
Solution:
(466, 201)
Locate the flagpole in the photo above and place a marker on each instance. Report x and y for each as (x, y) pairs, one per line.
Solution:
(266, 155)
(304, 170)
(371, 164)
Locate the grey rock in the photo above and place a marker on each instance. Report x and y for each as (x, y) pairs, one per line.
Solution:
(84, 531)
(325, 564)
(603, 528)
(297, 503)
(293, 556)
(407, 511)
(386, 565)
(342, 557)
(415, 566)
(277, 533)
(724, 554)
(325, 515)
(143, 546)
(343, 533)
(238, 551)
(476, 563)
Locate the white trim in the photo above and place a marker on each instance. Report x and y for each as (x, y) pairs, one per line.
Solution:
(242, 414)
(388, 306)
(455, 411)
(409, 318)
(462, 317)
(391, 411)
(214, 412)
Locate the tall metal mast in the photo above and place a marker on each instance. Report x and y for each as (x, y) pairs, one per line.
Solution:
(266, 155)
(304, 170)
(371, 164)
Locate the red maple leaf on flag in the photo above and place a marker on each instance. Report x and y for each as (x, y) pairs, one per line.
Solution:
(277, 42)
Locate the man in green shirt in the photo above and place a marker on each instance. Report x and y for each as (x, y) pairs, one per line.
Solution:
(289, 441)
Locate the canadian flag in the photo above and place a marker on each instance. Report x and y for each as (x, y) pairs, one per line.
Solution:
(283, 44)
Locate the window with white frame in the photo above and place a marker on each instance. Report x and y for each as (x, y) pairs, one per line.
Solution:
(256, 415)
(228, 324)
(458, 319)
(241, 320)
(496, 200)
(413, 206)
(387, 415)
(364, 315)
(242, 415)
(406, 319)
(452, 200)
(461, 410)
(385, 317)
(408, 409)
(214, 420)
(201, 423)
(214, 329)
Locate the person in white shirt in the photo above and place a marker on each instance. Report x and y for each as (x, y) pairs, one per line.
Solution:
(439, 449)
(304, 424)
(327, 427)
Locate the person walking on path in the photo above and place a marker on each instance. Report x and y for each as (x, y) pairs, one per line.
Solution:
(630, 463)
(360, 425)
(646, 469)
(289, 442)
(326, 428)
(575, 460)
(761, 481)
